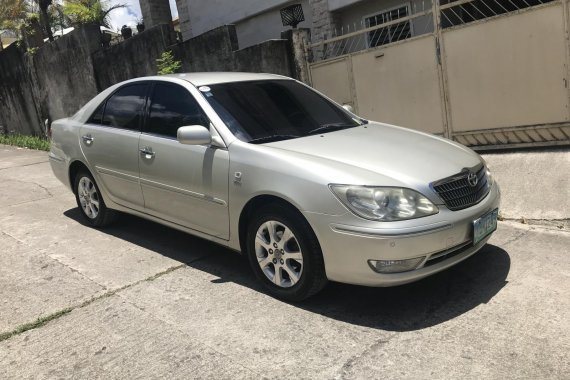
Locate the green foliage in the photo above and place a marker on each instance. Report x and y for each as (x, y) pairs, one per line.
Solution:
(30, 142)
(89, 11)
(57, 18)
(13, 14)
(34, 325)
(167, 65)
(31, 20)
(31, 51)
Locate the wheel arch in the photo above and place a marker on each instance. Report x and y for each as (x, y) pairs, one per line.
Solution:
(74, 168)
(254, 203)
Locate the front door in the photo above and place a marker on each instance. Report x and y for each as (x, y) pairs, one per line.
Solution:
(110, 143)
(185, 184)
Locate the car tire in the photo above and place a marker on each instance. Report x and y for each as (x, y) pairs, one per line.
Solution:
(90, 201)
(289, 260)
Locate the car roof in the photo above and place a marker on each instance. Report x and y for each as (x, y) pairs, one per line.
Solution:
(202, 79)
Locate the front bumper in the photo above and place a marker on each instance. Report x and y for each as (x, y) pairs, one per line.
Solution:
(445, 239)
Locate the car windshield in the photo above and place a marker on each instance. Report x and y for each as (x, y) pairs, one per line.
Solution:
(271, 110)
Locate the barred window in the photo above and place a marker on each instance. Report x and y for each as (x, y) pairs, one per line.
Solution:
(392, 33)
(464, 13)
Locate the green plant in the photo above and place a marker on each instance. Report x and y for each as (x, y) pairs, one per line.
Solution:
(24, 141)
(90, 11)
(167, 64)
(31, 51)
(13, 14)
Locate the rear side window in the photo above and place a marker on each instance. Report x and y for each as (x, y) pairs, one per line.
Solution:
(172, 107)
(125, 108)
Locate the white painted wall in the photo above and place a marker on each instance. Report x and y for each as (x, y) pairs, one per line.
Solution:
(268, 25)
(256, 20)
(335, 5)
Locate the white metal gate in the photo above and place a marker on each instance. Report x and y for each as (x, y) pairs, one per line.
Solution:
(490, 74)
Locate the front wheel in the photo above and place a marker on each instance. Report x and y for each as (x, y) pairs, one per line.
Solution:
(285, 254)
(90, 201)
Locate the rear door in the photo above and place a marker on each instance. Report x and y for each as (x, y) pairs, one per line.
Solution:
(185, 184)
(110, 143)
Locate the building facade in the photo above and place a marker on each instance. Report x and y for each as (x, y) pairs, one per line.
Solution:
(260, 20)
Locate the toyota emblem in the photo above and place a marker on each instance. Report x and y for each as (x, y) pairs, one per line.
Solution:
(472, 179)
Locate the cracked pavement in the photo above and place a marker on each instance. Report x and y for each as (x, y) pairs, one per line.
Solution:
(146, 301)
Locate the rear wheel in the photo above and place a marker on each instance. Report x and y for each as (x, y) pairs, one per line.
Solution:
(90, 201)
(285, 254)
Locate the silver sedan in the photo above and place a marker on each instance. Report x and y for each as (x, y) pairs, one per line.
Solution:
(306, 189)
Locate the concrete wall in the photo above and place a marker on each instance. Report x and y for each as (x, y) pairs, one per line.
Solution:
(63, 75)
(18, 110)
(134, 57)
(51, 83)
(217, 50)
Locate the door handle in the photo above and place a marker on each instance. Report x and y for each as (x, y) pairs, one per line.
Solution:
(87, 139)
(148, 153)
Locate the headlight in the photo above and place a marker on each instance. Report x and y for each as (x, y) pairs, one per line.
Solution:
(384, 203)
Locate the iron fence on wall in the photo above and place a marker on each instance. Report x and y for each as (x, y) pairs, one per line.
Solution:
(411, 20)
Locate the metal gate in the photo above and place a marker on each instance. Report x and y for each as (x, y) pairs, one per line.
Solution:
(486, 73)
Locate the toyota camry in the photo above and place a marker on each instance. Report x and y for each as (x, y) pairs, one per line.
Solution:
(263, 164)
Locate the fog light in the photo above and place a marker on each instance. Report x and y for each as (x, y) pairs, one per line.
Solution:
(395, 266)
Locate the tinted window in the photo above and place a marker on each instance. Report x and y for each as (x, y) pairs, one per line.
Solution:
(97, 117)
(125, 108)
(173, 107)
(269, 110)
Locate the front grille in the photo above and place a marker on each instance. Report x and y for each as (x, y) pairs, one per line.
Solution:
(457, 192)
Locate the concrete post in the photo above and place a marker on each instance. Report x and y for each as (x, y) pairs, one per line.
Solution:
(324, 21)
(442, 70)
(155, 12)
(299, 49)
(184, 19)
(325, 24)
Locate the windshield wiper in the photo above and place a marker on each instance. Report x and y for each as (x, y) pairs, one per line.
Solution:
(330, 127)
(272, 138)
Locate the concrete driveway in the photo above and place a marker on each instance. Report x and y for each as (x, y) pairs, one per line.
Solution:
(139, 300)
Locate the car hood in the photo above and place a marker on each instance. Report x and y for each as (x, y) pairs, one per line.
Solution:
(407, 156)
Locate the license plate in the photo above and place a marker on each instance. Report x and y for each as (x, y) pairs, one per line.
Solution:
(484, 226)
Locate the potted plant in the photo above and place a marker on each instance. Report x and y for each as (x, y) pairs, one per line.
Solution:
(126, 32)
(140, 25)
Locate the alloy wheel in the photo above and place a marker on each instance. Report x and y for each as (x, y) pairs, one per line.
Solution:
(279, 254)
(88, 197)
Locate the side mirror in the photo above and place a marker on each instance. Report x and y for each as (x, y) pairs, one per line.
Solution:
(194, 135)
(348, 107)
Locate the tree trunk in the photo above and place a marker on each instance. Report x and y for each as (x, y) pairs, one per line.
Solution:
(1, 46)
(44, 18)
